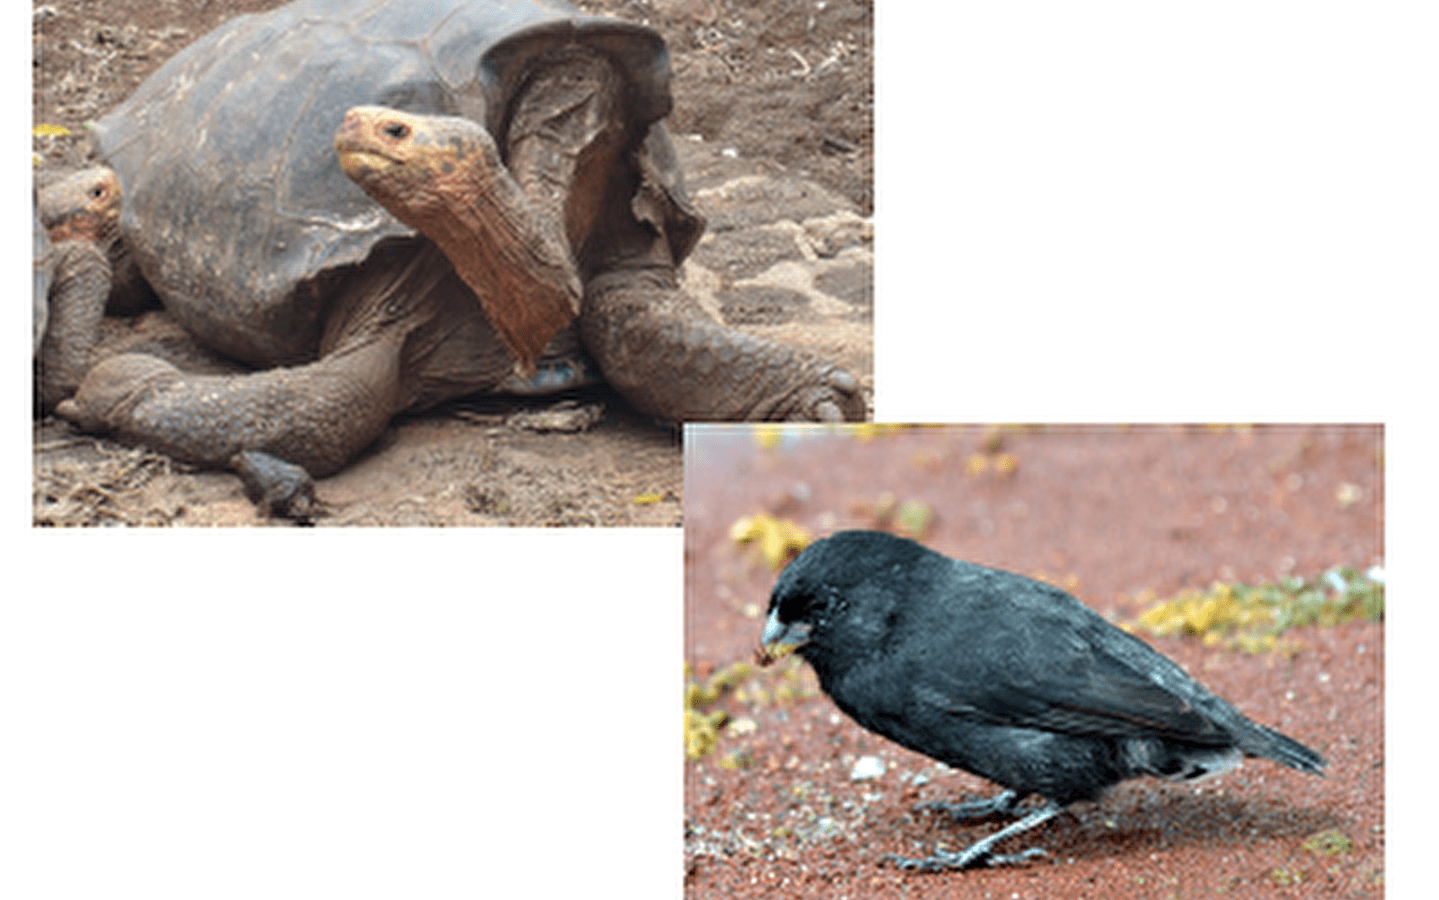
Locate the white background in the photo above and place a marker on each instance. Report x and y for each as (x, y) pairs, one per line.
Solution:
(1096, 211)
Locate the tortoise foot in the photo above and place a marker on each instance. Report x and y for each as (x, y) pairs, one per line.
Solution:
(280, 489)
(834, 397)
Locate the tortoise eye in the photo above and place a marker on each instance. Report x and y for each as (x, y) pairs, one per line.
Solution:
(397, 130)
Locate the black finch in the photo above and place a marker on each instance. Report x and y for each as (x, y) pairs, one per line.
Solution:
(1002, 676)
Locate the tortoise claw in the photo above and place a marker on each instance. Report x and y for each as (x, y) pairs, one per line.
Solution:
(842, 381)
(839, 400)
(277, 487)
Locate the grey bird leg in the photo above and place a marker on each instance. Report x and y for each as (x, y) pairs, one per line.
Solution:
(1000, 804)
(979, 853)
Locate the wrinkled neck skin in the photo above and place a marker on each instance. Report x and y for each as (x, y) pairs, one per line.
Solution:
(507, 230)
(443, 177)
(512, 256)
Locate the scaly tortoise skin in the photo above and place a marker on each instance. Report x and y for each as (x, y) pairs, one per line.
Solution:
(509, 216)
(77, 235)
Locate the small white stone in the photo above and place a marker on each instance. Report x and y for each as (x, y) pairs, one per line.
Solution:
(742, 726)
(866, 767)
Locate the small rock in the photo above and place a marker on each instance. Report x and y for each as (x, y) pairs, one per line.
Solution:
(828, 235)
(742, 726)
(1348, 494)
(866, 767)
(567, 415)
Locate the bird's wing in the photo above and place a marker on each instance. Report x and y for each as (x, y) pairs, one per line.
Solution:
(1054, 666)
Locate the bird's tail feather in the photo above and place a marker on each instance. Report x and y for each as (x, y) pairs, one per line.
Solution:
(1270, 744)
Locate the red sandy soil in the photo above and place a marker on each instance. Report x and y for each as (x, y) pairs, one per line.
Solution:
(1109, 513)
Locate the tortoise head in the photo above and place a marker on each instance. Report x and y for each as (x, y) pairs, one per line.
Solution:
(413, 165)
(443, 177)
(84, 206)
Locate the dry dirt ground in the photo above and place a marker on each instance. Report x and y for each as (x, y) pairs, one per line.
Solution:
(773, 119)
(1116, 516)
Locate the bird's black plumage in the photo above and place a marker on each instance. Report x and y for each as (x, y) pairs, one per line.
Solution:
(1002, 676)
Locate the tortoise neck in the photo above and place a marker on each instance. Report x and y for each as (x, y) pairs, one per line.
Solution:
(512, 254)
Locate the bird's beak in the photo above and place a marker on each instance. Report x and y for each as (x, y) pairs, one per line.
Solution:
(775, 632)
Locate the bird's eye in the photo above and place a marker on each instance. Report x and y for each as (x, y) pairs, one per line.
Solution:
(397, 130)
(795, 607)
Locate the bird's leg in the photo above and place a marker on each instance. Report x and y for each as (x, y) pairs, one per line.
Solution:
(1000, 804)
(979, 853)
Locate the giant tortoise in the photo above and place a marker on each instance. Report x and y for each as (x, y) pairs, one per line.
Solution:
(76, 235)
(384, 204)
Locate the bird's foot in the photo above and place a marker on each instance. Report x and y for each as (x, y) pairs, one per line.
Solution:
(971, 810)
(970, 858)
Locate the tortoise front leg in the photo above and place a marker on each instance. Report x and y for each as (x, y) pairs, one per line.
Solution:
(262, 425)
(659, 349)
(80, 215)
(76, 301)
(654, 343)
